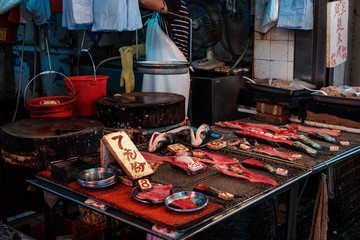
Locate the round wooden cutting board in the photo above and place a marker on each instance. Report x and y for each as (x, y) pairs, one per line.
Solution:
(34, 142)
(144, 110)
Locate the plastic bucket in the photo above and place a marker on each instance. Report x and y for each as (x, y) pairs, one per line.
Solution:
(63, 109)
(56, 106)
(88, 89)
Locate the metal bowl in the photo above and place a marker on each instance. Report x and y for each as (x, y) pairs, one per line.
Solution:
(97, 177)
(198, 198)
(163, 67)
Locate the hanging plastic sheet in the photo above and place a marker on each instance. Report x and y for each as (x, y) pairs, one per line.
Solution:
(6, 5)
(36, 10)
(109, 15)
(77, 14)
(296, 14)
(270, 16)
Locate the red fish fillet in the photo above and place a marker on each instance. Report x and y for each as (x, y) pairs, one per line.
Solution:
(153, 158)
(183, 165)
(273, 152)
(298, 127)
(267, 137)
(247, 174)
(242, 125)
(214, 158)
(156, 194)
(184, 203)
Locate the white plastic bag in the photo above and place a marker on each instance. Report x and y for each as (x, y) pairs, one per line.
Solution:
(296, 14)
(159, 47)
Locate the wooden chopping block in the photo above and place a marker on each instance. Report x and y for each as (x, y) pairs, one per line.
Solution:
(144, 110)
(34, 142)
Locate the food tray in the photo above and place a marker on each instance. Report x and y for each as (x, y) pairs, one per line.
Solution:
(335, 100)
(163, 67)
(198, 198)
(137, 189)
(97, 177)
(262, 85)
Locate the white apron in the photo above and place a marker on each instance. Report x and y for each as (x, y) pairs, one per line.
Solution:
(159, 47)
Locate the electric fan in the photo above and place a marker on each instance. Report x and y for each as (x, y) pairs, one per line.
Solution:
(206, 31)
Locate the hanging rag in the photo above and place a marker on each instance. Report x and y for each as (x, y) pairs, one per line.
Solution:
(77, 14)
(320, 216)
(270, 16)
(37, 11)
(116, 15)
(159, 47)
(6, 5)
(133, 16)
(296, 14)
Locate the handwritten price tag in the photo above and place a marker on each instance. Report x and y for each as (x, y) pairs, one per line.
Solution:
(195, 166)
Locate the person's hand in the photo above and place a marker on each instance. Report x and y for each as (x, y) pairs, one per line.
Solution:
(127, 73)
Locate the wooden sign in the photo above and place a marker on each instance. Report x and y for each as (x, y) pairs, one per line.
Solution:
(337, 32)
(119, 146)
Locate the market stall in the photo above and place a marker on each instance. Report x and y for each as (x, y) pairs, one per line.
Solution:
(120, 202)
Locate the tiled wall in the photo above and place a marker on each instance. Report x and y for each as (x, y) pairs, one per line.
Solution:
(273, 51)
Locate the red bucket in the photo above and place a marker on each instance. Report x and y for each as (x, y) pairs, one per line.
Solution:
(57, 106)
(88, 89)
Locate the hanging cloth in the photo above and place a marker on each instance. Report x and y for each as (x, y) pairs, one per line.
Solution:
(159, 47)
(296, 14)
(37, 11)
(77, 14)
(320, 216)
(133, 15)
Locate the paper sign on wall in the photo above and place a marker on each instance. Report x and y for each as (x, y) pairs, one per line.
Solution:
(119, 146)
(337, 32)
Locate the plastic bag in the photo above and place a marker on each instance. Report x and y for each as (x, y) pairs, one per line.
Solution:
(296, 14)
(77, 14)
(159, 47)
(270, 16)
(6, 5)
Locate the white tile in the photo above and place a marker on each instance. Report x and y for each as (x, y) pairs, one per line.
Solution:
(261, 69)
(279, 50)
(290, 57)
(262, 50)
(291, 35)
(280, 34)
(290, 70)
(278, 69)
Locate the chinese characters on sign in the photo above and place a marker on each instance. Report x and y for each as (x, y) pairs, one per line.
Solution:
(337, 32)
(127, 155)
